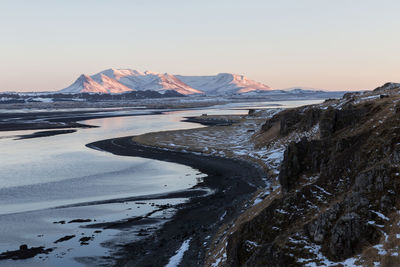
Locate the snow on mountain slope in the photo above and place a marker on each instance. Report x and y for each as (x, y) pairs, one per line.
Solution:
(166, 81)
(149, 81)
(223, 83)
(96, 84)
(120, 73)
(125, 80)
(84, 84)
(111, 85)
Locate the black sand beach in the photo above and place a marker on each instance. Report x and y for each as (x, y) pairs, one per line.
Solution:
(233, 182)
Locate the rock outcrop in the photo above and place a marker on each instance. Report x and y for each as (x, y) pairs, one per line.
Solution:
(339, 189)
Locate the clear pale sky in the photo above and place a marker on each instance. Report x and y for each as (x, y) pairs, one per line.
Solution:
(328, 44)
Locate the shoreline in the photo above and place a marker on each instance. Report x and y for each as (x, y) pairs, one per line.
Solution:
(234, 182)
(60, 119)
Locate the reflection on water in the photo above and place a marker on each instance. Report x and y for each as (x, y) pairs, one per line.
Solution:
(57, 170)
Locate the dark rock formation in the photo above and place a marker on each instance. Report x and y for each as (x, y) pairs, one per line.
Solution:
(387, 86)
(80, 221)
(24, 253)
(65, 238)
(335, 189)
(300, 158)
(293, 119)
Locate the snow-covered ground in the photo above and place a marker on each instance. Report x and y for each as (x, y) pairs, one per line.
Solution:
(175, 260)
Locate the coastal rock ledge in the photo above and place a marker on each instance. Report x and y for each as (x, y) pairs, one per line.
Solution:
(338, 202)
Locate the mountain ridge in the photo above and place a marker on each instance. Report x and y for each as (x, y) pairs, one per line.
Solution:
(125, 80)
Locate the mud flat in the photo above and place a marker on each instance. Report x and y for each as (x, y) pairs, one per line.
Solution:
(233, 183)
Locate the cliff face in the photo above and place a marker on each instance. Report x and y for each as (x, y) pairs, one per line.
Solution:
(340, 190)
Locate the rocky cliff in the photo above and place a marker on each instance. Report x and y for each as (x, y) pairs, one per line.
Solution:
(338, 200)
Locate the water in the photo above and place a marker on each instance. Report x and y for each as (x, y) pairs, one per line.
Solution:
(58, 170)
(37, 175)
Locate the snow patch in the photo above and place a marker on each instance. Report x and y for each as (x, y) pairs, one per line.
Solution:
(381, 250)
(380, 215)
(222, 216)
(175, 260)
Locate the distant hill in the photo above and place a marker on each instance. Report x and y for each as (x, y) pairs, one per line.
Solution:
(125, 80)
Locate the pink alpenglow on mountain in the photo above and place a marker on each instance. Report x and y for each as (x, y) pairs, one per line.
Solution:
(224, 83)
(104, 84)
(111, 85)
(125, 80)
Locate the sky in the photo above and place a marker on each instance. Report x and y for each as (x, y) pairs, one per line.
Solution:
(328, 44)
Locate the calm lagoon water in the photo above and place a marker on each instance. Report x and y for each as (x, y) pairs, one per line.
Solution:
(39, 175)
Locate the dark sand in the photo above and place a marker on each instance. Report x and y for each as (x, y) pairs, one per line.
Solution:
(209, 121)
(233, 181)
(44, 134)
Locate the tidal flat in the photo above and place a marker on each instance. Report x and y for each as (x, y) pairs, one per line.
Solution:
(94, 203)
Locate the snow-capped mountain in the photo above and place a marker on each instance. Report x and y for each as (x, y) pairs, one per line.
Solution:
(110, 84)
(100, 84)
(223, 83)
(124, 80)
(148, 81)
